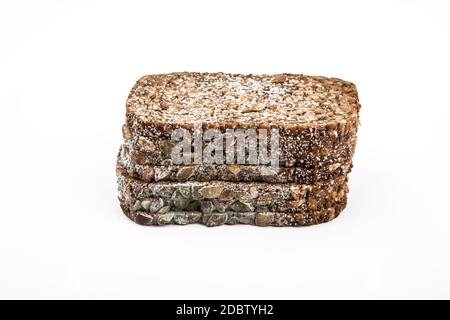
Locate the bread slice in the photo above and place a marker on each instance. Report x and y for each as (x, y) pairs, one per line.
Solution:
(236, 173)
(262, 219)
(293, 151)
(308, 111)
(219, 100)
(220, 196)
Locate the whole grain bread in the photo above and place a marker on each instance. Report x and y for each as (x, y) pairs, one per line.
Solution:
(219, 100)
(262, 219)
(221, 196)
(233, 172)
(322, 158)
(317, 120)
(317, 117)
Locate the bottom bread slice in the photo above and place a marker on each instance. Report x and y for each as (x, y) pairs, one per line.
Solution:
(261, 219)
(221, 197)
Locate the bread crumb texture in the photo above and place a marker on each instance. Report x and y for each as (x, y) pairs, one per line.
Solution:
(248, 100)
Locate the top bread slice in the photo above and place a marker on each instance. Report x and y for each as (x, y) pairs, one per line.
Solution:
(289, 102)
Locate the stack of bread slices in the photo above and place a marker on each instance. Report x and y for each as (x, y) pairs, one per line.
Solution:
(180, 160)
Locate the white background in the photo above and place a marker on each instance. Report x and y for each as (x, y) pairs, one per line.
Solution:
(66, 68)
